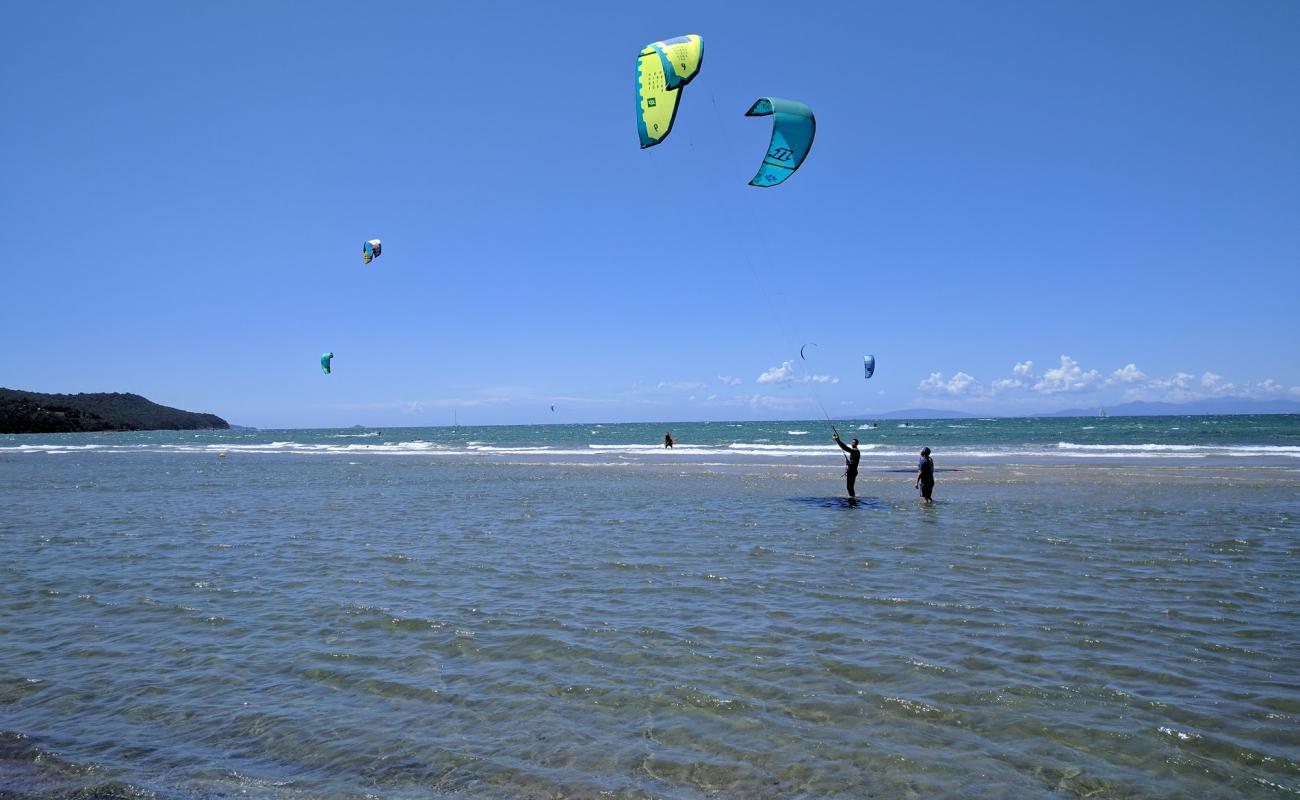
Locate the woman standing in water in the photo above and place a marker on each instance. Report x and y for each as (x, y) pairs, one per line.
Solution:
(925, 475)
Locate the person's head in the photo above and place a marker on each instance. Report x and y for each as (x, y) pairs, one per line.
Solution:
(925, 451)
(854, 443)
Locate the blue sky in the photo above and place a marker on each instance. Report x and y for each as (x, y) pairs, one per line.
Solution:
(1007, 203)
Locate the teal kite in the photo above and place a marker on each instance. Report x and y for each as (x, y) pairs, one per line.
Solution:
(662, 69)
(793, 128)
(325, 360)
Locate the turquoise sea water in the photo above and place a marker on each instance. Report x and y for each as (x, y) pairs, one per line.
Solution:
(1095, 608)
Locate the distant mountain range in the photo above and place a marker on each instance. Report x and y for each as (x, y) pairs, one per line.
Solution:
(33, 412)
(1220, 405)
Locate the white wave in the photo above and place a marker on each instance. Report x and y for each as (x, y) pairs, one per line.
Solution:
(797, 433)
(645, 447)
(784, 454)
(1188, 449)
(760, 451)
(780, 447)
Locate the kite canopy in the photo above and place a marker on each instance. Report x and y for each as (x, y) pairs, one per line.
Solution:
(325, 360)
(804, 347)
(662, 69)
(793, 128)
(371, 250)
(868, 366)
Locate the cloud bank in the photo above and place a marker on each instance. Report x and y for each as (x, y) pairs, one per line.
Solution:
(1070, 378)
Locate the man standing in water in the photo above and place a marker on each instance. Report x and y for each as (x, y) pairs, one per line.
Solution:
(668, 440)
(850, 461)
(925, 475)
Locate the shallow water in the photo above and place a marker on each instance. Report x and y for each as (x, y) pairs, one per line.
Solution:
(346, 624)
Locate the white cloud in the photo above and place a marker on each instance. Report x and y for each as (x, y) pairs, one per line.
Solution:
(680, 385)
(1178, 388)
(1267, 388)
(781, 374)
(1180, 380)
(820, 379)
(729, 380)
(1023, 372)
(960, 385)
(1128, 374)
(1215, 384)
(1069, 377)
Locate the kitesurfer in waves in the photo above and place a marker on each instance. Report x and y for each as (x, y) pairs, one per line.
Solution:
(668, 440)
(850, 461)
(925, 475)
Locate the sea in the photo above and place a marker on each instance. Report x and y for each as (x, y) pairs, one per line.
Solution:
(1092, 608)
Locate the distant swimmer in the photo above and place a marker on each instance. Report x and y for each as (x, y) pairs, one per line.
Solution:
(925, 475)
(850, 461)
(668, 440)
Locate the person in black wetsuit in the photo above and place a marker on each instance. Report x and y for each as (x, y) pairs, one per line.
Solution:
(850, 461)
(668, 440)
(925, 475)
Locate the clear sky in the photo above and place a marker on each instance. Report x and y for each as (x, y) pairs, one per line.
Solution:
(1008, 203)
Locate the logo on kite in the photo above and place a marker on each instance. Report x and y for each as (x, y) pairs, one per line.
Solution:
(793, 129)
(371, 250)
(868, 366)
(662, 69)
(325, 360)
